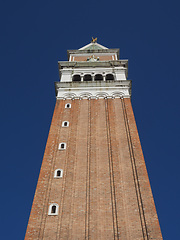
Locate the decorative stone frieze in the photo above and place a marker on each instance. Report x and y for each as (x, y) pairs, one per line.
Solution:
(76, 90)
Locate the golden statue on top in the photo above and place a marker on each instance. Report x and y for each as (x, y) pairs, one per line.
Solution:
(94, 40)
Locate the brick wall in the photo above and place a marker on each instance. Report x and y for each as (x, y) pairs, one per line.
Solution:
(101, 58)
(105, 191)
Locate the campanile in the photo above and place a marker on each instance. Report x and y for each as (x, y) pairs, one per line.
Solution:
(93, 182)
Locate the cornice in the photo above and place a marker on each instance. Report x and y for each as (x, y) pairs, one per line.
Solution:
(114, 50)
(115, 63)
(96, 89)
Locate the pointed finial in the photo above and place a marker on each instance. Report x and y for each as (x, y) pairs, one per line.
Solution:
(94, 40)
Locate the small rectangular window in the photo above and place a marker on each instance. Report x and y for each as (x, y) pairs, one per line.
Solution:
(53, 209)
(58, 173)
(65, 124)
(62, 146)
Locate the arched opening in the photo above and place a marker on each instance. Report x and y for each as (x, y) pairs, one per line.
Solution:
(58, 173)
(62, 146)
(98, 77)
(53, 209)
(68, 105)
(87, 77)
(65, 124)
(76, 78)
(109, 77)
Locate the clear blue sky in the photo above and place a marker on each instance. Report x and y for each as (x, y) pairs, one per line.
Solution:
(34, 36)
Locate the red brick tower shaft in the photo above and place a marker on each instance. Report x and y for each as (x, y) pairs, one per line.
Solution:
(93, 182)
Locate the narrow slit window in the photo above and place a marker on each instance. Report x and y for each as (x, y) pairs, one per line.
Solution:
(53, 209)
(58, 173)
(65, 124)
(62, 146)
(68, 105)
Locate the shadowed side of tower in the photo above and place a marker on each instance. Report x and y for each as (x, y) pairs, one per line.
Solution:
(93, 182)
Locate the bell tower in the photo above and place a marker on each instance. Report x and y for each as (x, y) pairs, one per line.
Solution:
(93, 182)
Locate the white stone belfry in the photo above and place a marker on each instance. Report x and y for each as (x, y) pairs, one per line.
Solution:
(93, 71)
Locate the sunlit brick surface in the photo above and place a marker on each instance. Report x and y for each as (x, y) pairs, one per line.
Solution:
(105, 191)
